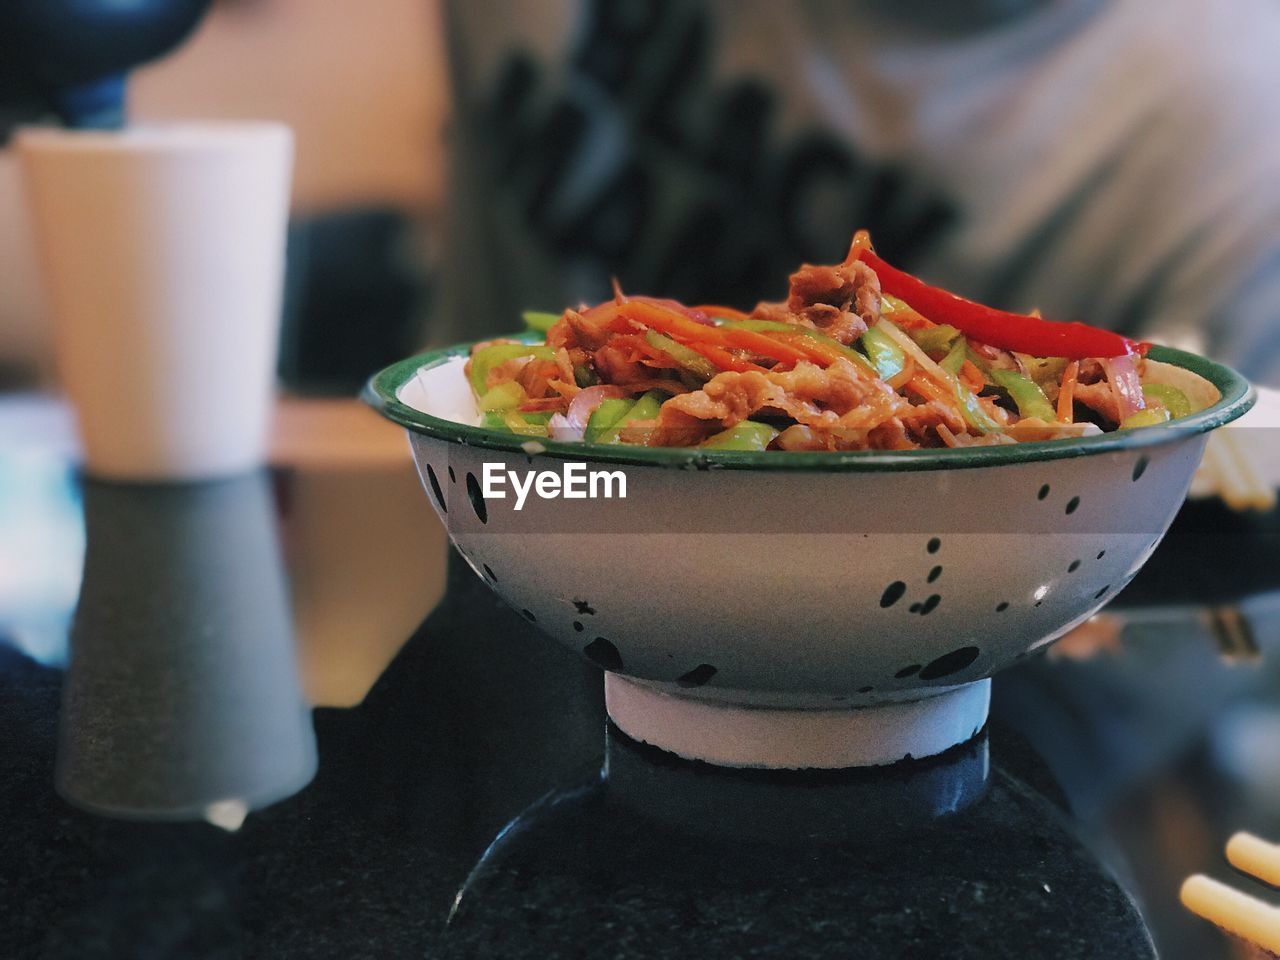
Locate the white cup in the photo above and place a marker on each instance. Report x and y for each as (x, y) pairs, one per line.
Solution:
(162, 251)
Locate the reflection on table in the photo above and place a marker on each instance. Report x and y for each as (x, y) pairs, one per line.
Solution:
(1161, 743)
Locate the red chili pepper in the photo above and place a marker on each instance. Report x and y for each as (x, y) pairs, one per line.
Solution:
(998, 328)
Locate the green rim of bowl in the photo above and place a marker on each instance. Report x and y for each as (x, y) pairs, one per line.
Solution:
(382, 392)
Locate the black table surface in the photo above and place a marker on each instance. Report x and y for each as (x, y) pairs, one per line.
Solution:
(477, 804)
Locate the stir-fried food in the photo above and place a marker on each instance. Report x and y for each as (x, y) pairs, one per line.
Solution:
(859, 356)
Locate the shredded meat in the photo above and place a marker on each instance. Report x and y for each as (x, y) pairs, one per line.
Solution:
(575, 330)
(838, 396)
(536, 375)
(923, 420)
(1100, 398)
(564, 362)
(836, 323)
(890, 435)
(1090, 372)
(614, 365)
(1033, 428)
(980, 440)
(673, 429)
(799, 437)
(775, 312)
(506, 370)
(841, 300)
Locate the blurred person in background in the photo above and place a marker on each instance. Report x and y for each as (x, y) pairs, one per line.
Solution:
(1111, 161)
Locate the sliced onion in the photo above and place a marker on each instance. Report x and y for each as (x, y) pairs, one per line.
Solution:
(559, 428)
(582, 405)
(1122, 374)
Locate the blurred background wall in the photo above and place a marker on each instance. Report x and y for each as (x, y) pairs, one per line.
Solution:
(365, 95)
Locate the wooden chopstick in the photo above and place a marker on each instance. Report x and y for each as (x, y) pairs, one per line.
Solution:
(1234, 911)
(1256, 857)
(1232, 474)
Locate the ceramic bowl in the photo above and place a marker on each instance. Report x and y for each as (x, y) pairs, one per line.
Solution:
(801, 609)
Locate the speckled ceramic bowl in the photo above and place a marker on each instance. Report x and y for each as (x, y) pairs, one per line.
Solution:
(812, 609)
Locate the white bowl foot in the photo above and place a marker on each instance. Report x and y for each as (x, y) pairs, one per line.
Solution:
(736, 736)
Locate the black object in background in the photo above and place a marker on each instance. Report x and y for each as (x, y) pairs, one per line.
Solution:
(355, 289)
(69, 57)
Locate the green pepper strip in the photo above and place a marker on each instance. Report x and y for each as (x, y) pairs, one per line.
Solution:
(486, 358)
(493, 420)
(979, 361)
(646, 408)
(774, 326)
(955, 357)
(504, 396)
(606, 415)
(532, 424)
(885, 355)
(539, 321)
(1171, 398)
(690, 360)
(1030, 398)
(970, 408)
(941, 337)
(513, 421)
(1149, 417)
(743, 435)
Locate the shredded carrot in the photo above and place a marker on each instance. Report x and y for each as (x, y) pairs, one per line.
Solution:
(690, 332)
(996, 412)
(861, 241)
(814, 350)
(776, 347)
(713, 310)
(908, 319)
(929, 389)
(1067, 392)
(947, 436)
(971, 376)
(600, 314)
